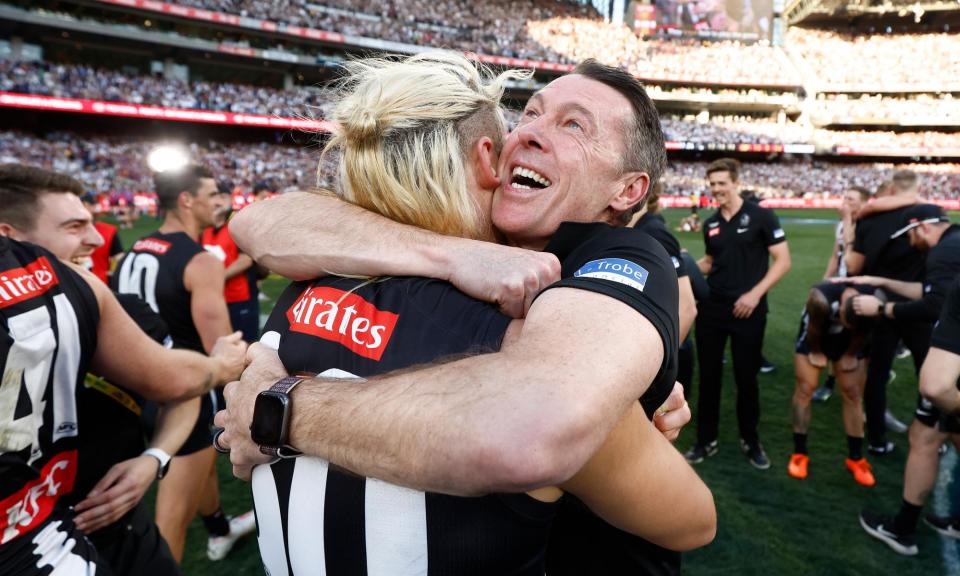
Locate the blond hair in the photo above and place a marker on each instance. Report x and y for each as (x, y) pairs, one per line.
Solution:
(403, 127)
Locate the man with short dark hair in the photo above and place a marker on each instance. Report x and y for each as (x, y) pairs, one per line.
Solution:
(740, 239)
(57, 323)
(182, 282)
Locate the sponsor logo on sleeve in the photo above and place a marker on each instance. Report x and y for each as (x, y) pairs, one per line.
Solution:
(28, 282)
(778, 233)
(160, 247)
(615, 270)
(713, 232)
(676, 262)
(31, 505)
(345, 318)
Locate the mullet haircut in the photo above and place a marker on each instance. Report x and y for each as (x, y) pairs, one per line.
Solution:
(168, 185)
(21, 187)
(645, 147)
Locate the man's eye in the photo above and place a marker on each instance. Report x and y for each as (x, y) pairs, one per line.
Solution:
(574, 124)
(529, 113)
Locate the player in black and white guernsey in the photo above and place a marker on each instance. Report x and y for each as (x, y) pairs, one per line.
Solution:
(49, 322)
(56, 324)
(617, 267)
(831, 330)
(183, 283)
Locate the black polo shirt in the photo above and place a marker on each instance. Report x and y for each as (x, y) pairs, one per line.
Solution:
(883, 256)
(942, 266)
(946, 333)
(630, 266)
(739, 248)
(656, 227)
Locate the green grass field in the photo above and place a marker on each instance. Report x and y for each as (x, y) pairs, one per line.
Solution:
(769, 524)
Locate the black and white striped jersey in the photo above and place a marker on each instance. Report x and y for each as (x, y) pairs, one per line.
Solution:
(314, 518)
(153, 270)
(48, 334)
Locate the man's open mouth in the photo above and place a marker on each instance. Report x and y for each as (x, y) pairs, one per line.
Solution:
(526, 179)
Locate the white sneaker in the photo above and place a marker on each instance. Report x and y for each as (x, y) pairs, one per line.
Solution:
(219, 546)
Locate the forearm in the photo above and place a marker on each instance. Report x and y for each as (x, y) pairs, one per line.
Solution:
(303, 235)
(474, 426)
(910, 290)
(704, 264)
(777, 271)
(927, 309)
(175, 420)
(239, 266)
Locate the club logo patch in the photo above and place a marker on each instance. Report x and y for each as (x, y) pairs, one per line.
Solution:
(744, 220)
(778, 233)
(615, 270)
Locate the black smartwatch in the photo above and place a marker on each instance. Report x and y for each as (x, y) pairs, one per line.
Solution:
(271, 418)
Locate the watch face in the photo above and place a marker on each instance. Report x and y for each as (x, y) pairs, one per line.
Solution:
(268, 413)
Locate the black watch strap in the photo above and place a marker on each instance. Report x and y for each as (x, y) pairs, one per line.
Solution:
(284, 386)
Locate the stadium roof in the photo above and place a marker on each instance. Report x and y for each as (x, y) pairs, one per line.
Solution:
(796, 11)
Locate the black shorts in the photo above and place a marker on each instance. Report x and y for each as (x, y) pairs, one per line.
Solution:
(133, 545)
(946, 332)
(932, 417)
(202, 434)
(833, 346)
(58, 540)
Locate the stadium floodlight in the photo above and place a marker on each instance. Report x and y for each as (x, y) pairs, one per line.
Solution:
(168, 158)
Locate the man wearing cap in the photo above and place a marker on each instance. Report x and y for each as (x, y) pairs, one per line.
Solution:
(877, 251)
(928, 230)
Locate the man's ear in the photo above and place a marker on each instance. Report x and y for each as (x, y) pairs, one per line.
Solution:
(485, 163)
(185, 199)
(635, 186)
(9, 231)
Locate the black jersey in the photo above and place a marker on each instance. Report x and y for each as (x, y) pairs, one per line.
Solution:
(941, 267)
(946, 333)
(739, 248)
(656, 227)
(316, 518)
(883, 256)
(153, 270)
(631, 267)
(112, 413)
(48, 334)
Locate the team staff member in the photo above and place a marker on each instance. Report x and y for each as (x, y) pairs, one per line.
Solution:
(184, 284)
(830, 329)
(928, 230)
(739, 237)
(544, 182)
(55, 325)
(240, 287)
(876, 253)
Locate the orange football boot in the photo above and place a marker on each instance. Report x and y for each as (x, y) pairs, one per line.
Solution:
(797, 467)
(862, 472)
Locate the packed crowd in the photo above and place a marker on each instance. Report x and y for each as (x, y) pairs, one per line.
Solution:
(878, 60)
(733, 130)
(112, 165)
(814, 179)
(884, 140)
(926, 109)
(743, 95)
(487, 26)
(76, 81)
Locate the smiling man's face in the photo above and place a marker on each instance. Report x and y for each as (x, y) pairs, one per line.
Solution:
(563, 162)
